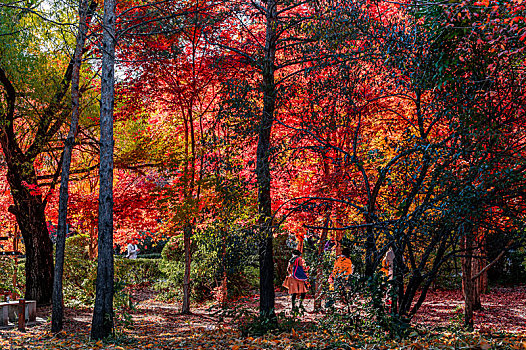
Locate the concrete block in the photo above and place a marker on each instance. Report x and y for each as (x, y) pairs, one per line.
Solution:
(30, 311)
(4, 314)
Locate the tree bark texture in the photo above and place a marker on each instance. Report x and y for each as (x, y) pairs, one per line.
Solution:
(85, 14)
(266, 260)
(187, 234)
(28, 206)
(475, 269)
(318, 296)
(102, 323)
(467, 282)
(31, 219)
(479, 277)
(370, 248)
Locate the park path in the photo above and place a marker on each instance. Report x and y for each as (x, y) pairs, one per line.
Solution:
(504, 309)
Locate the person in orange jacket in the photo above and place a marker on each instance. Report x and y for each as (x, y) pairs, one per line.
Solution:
(343, 267)
(341, 272)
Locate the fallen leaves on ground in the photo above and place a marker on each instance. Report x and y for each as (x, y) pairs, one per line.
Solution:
(228, 338)
(157, 325)
(503, 309)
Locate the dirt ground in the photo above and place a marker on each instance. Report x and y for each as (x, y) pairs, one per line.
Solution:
(159, 325)
(503, 310)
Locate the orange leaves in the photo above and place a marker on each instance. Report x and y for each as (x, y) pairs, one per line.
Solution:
(484, 3)
(294, 335)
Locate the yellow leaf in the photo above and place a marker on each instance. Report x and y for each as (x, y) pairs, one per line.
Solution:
(235, 347)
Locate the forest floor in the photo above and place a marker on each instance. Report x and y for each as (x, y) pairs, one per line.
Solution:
(158, 325)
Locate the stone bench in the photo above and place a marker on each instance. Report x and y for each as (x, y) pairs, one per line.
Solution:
(4, 314)
(9, 312)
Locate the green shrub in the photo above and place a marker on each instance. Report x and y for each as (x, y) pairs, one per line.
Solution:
(80, 274)
(362, 309)
(7, 271)
(213, 254)
(172, 267)
(510, 269)
(137, 271)
(450, 276)
(282, 255)
(150, 256)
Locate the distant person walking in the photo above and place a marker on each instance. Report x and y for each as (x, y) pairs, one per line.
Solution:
(132, 251)
(388, 264)
(295, 281)
(388, 270)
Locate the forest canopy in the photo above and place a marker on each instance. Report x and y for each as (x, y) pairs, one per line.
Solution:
(229, 128)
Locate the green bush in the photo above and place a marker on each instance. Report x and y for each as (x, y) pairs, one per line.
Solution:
(450, 276)
(137, 271)
(172, 266)
(362, 308)
(510, 269)
(282, 255)
(213, 254)
(150, 256)
(80, 274)
(7, 271)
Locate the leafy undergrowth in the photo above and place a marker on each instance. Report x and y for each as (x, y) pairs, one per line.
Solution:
(148, 335)
(157, 325)
(151, 336)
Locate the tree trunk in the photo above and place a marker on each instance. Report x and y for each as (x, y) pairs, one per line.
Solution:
(475, 269)
(483, 263)
(57, 314)
(467, 283)
(319, 270)
(28, 206)
(187, 234)
(480, 282)
(223, 298)
(30, 216)
(370, 249)
(266, 260)
(102, 323)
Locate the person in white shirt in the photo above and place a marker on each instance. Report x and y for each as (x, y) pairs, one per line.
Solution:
(132, 251)
(388, 264)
